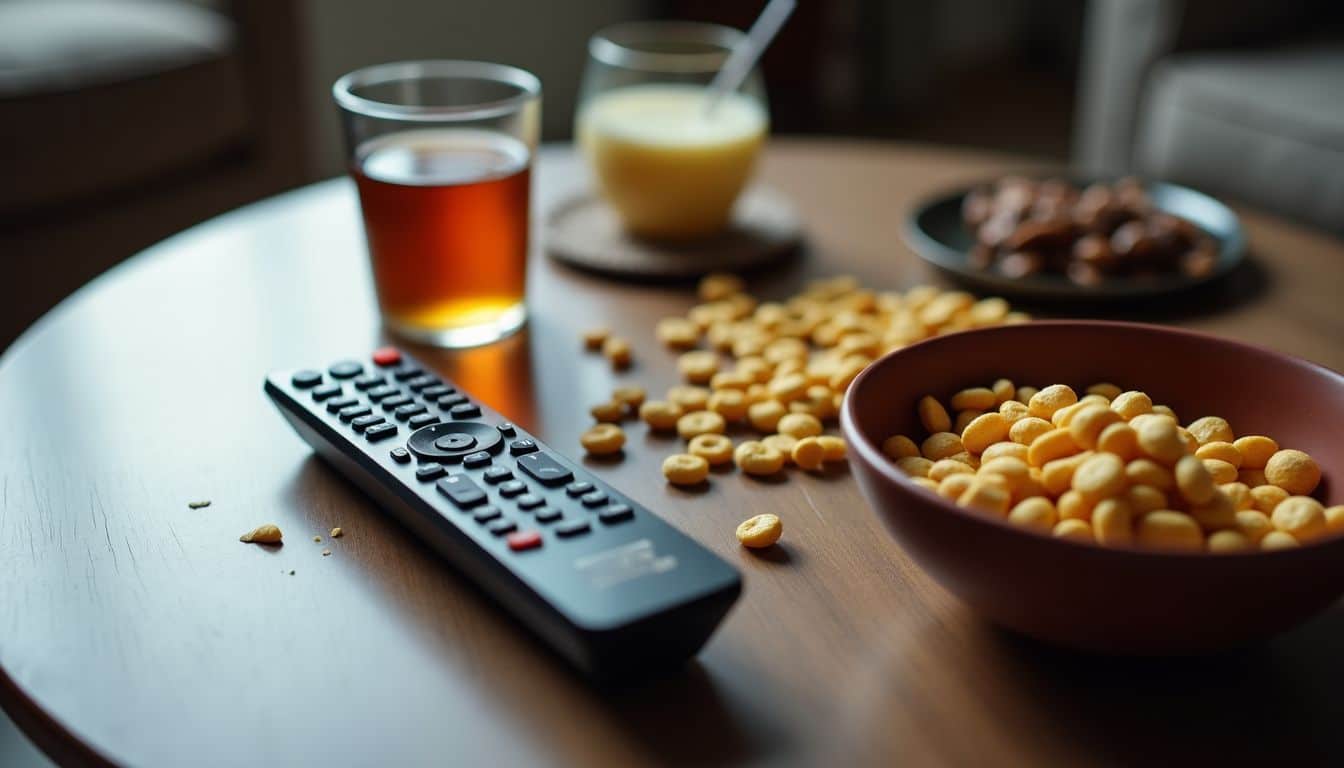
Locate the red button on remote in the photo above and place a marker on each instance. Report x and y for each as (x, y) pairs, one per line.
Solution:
(386, 356)
(524, 540)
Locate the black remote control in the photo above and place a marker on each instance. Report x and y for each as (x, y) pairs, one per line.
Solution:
(607, 584)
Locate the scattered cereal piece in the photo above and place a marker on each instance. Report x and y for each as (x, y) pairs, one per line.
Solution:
(326, 553)
(717, 286)
(262, 534)
(603, 439)
(690, 398)
(317, 538)
(782, 443)
(617, 351)
(609, 412)
(716, 449)
(756, 458)
(630, 395)
(799, 425)
(660, 415)
(760, 531)
(198, 504)
(809, 454)
(731, 404)
(700, 423)
(835, 447)
(677, 332)
(594, 337)
(337, 533)
(698, 366)
(685, 469)
(765, 415)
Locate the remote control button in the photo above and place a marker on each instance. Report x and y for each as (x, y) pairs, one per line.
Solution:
(530, 501)
(341, 403)
(501, 527)
(594, 499)
(616, 513)
(572, 528)
(395, 402)
(436, 391)
(425, 442)
(346, 369)
(545, 469)
(401, 455)
(422, 382)
(495, 475)
(382, 393)
(326, 392)
(362, 423)
(448, 401)
(512, 488)
(461, 491)
(406, 374)
(578, 488)
(385, 356)
(464, 411)
(518, 447)
(306, 379)
(477, 459)
(547, 515)
(422, 420)
(524, 540)
(353, 412)
(430, 471)
(455, 441)
(369, 381)
(407, 411)
(506, 429)
(379, 432)
(487, 514)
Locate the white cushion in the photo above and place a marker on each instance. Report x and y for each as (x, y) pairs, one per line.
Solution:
(1264, 127)
(61, 45)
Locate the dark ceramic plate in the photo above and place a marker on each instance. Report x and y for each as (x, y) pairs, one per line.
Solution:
(935, 231)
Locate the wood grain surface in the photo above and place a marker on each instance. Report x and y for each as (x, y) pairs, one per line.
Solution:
(136, 631)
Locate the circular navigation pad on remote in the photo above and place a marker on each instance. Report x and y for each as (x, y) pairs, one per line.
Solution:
(449, 442)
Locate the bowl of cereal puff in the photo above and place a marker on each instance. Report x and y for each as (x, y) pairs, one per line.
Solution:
(1113, 487)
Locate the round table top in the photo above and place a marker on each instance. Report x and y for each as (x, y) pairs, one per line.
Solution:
(135, 630)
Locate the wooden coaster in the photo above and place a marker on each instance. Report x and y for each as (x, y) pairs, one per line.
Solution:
(584, 231)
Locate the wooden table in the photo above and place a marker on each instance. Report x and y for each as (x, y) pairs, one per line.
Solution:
(134, 630)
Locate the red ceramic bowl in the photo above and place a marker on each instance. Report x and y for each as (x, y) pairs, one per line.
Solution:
(1082, 596)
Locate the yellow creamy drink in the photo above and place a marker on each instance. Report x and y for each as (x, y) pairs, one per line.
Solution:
(670, 169)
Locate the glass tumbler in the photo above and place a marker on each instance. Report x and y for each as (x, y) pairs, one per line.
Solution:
(441, 153)
(667, 160)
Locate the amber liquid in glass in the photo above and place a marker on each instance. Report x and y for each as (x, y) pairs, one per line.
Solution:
(446, 216)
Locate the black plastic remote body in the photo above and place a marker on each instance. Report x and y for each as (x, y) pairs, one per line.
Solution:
(607, 584)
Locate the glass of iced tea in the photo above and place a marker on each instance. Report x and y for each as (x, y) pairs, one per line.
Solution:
(441, 152)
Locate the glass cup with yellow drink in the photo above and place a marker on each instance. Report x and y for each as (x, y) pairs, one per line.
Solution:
(667, 160)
